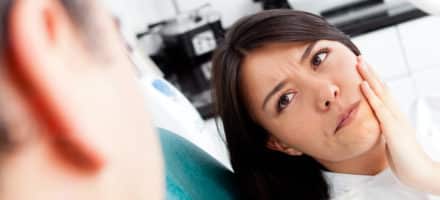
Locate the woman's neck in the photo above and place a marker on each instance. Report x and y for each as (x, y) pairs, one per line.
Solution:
(371, 162)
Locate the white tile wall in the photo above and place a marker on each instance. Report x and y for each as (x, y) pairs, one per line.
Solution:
(230, 10)
(136, 14)
(421, 40)
(407, 57)
(404, 92)
(427, 82)
(382, 49)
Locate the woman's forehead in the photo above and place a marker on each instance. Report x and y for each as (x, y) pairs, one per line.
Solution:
(277, 54)
(277, 48)
(271, 58)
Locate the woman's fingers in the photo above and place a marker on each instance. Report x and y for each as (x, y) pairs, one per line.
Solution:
(371, 77)
(368, 73)
(379, 108)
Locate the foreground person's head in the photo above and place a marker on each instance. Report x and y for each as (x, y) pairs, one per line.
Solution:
(284, 81)
(72, 123)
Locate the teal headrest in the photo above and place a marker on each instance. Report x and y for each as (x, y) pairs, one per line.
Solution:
(193, 174)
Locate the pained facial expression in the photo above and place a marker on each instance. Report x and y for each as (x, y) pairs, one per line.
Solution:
(307, 96)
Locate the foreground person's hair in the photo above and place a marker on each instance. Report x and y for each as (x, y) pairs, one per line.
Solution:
(263, 173)
(78, 11)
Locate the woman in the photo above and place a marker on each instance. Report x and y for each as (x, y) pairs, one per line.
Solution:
(297, 123)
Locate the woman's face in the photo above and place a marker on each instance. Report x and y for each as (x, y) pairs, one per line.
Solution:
(307, 96)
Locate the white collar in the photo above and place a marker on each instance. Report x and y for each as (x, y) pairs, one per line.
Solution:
(341, 183)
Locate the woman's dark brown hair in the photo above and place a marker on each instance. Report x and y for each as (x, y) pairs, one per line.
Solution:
(263, 173)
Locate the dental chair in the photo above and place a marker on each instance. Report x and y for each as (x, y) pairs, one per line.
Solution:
(191, 173)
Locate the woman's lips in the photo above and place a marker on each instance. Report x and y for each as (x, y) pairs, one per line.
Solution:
(348, 116)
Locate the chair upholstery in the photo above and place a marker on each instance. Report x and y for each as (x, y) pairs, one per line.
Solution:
(193, 174)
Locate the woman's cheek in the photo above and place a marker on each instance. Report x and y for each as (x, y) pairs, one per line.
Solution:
(348, 71)
(369, 121)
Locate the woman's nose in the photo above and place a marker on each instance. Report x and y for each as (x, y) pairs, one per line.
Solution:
(327, 96)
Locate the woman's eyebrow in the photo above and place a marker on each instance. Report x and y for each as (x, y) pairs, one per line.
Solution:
(277, 88)
(308, 50)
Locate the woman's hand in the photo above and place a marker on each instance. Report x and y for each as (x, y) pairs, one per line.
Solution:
(405, 156)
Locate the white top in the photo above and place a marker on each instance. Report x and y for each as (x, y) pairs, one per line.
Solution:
(385, 186)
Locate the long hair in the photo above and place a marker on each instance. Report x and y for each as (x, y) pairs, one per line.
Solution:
(263, 173)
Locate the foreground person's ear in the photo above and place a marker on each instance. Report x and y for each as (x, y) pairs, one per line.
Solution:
(40, 31)
(276, 145)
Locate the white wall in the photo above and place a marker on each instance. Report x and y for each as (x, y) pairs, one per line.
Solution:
(229, 10)
(136, 14)
(405, 58)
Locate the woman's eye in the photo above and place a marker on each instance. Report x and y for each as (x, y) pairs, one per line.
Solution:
(319, 58)
(285, 100)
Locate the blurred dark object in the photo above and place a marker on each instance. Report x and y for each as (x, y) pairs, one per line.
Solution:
(274, 4)
(350, 7)
(188, 42)
(359, 17)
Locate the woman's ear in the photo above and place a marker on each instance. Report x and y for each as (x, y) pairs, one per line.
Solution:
(276, 145)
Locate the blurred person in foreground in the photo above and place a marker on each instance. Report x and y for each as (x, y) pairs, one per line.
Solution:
(72, 119)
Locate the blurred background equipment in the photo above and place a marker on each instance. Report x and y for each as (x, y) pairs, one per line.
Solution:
(274, 4)
(187, 43)
(172, 111)
(356, 17)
